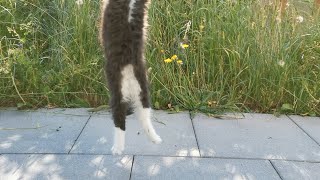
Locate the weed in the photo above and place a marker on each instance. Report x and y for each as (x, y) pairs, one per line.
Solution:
(209, 56)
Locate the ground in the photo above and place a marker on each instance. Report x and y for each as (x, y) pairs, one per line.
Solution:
(75, 144)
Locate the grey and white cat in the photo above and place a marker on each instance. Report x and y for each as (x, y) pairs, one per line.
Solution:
(123, 30)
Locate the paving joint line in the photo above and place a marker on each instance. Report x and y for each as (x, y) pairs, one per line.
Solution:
(275, 168)
(79, 134)
(194, 132)
(304, 131)
(131, 167)
(234, 158)
(203, 157)
(261, 159)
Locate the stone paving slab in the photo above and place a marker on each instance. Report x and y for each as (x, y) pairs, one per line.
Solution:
(29, 167)
(67, 111)
(290, 170)
(39, 132)
(60, 111)
(309, 124)
(186, 168)
(175, 130)
(255, 136)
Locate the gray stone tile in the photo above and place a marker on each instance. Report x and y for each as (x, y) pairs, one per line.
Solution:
(66, 111)
(39, 132)
(255, 136)
(310, 124)
(175, 130)
(290, 170)
(60, 111)
(187, 168)
(64, 167)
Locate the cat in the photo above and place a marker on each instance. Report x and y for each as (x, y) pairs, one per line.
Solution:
(123, 32)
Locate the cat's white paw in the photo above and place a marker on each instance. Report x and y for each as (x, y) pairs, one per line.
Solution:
(116, 150)
(118, 144)
(155, 138)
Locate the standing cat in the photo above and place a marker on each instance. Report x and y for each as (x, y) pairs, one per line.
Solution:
(123, 38)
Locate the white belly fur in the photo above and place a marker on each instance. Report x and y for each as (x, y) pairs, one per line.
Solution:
(130, 87)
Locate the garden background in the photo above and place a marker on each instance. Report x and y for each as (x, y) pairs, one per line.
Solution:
(204, 55)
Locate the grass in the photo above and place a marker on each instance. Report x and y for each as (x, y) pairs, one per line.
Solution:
(240, 58)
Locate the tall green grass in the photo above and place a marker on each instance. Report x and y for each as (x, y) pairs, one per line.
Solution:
(60, 62)
(239, 56)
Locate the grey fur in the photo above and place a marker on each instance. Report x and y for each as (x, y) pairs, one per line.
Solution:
(123, 44)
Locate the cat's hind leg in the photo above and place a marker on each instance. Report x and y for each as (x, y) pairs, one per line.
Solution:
(143, 108)
(144, 116)
(134, 89)
(119, 111)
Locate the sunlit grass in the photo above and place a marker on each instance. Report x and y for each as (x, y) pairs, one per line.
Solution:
(229, 56)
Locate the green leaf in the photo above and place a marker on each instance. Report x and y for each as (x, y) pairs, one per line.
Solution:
(158, 94)
(176, 108)
(287, 107)
(22, 106)
(157, 105)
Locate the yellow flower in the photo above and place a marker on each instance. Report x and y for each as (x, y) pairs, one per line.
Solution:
(168, 60)
(174, 57)
(184, 46)
(162, 51)
(212, 103)
(179, 62)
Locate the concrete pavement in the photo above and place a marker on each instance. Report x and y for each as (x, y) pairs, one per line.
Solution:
(75, 144)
